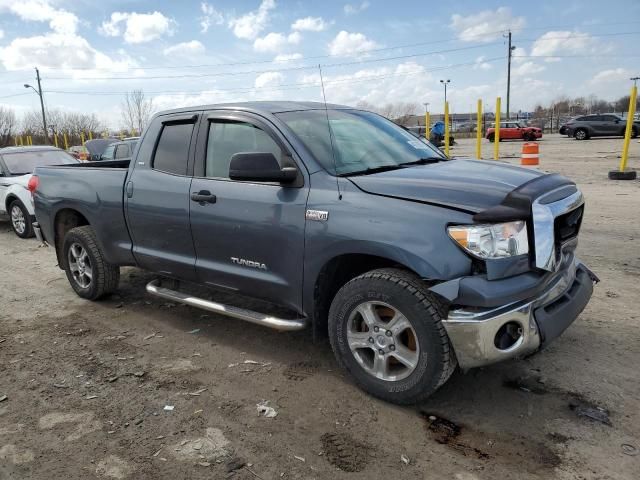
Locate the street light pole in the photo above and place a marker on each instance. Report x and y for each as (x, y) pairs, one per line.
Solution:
(511, 49)
(39, 92)
(444, 82)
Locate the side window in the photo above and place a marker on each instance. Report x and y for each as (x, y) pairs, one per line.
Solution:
(108, 153)
(609, 118)
(172, 152)
(228, 138)
(122, 151)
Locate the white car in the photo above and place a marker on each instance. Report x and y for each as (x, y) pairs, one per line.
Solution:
(16, 166)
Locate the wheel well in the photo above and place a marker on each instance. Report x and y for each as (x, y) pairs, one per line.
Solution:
(10, 198)
(65, 220)
(335, 274)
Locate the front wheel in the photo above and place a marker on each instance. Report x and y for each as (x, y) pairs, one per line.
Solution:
(20, 220)
(581, 134)
(89, 274)
(386, 330)
(491, 137)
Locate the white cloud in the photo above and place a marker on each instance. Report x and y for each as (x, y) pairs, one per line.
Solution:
(481, 64)
(185, 49)
(485, 26)
(60, 51)
(352, 9)
(518, 55)
(250, 25)
(137, 27)
(563, 43)
(611, 75)
(210, 16)
(274, 42)
(60, 20)
(527, 68)
(1, 34)
(346, 43)
(310, 24)
(268, 79)
(287, 57)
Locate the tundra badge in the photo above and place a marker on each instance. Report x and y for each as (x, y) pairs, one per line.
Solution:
(248, 263)
(317, 215)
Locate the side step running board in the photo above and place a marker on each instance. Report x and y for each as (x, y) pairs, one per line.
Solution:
(240, 313)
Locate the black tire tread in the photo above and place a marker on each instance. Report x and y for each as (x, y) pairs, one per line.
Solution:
(108, 275)
(436, 308)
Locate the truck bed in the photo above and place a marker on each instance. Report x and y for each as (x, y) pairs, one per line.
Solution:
(95, 190)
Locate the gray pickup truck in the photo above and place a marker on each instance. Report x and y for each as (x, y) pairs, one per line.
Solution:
(410, 262)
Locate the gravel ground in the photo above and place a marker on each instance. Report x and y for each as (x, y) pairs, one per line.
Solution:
(86, 384)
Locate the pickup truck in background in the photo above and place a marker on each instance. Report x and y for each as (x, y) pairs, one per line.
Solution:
(410, 262)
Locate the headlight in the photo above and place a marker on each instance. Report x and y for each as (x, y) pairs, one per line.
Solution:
(498, 240)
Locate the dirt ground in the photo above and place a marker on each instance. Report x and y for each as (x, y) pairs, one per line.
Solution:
(86, 384)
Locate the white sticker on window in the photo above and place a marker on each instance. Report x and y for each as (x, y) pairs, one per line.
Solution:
(418, 145)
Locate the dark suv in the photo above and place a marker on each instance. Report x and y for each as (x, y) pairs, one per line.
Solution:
(599, 125)
(120, 150)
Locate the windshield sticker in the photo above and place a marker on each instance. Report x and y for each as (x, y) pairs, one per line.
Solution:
(418, 145)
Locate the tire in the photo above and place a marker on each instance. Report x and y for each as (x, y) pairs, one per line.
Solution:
(20, 220)
(386, 293)
(634, 132)
(531, 137)
(626, 175)
(581, 134)
(491, 137)
(89, 274)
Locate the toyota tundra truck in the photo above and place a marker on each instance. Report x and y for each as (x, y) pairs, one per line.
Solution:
(413, 264)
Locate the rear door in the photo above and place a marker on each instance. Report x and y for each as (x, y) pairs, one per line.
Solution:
(157, 196)
(250, 236)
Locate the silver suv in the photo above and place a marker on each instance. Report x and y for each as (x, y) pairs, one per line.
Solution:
(599, 125)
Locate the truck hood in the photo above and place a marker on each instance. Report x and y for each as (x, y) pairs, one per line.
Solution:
(470, 185)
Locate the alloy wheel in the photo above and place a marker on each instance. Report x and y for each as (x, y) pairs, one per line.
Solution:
(80, 265)
(17, 220)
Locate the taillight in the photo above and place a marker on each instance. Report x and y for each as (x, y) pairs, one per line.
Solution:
(33, 183)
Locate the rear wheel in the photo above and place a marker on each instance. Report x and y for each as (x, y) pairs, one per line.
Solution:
(20, 219)
(386, 330)
(491, 137)
(581, 134)
(634, 132)
(89, 274)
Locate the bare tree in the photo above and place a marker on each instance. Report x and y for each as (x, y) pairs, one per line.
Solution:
(7, 126)
(136, 110)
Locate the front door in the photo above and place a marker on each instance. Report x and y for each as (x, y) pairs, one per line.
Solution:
(249, 237)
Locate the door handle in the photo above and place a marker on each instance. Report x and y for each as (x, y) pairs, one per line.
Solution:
(203, 196)
(129, 189)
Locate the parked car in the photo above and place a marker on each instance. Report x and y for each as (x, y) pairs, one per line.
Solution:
(120, 150)
(97, 146)
(599, 125)
(514, 131)
(79, 152)
(16, 166)
(410, 262)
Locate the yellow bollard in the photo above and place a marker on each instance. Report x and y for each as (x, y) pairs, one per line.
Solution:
(446, 128)
(66, 141)
(627, 133)
(427, 122)
(29, 140)
(479, 131)
(90, 135)
(15, 139)
(21, 142)
(82, 138)
(496, 141)
(55, 139)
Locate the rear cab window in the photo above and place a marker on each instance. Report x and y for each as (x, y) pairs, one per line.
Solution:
(172, 150)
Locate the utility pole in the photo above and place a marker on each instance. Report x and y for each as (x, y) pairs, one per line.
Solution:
(511, 49)
(44, 117)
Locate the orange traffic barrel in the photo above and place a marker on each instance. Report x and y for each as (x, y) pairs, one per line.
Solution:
(530, 154)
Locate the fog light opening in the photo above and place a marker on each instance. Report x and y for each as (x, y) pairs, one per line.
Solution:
(508, 335)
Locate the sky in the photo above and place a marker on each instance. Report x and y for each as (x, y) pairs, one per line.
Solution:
(191, 52)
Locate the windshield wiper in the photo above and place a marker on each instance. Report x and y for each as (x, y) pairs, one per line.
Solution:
(422, 161)
(367, 171)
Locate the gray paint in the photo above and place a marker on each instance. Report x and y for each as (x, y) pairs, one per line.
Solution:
(400, 216)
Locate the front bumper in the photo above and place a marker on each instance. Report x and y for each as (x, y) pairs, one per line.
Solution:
(478, 334)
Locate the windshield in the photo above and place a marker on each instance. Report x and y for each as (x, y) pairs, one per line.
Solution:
(362, 141)
(23, 163)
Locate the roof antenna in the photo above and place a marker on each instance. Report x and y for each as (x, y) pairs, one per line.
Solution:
(333, 153)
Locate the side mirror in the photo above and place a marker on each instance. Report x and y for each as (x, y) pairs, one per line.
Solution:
(260, 167)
